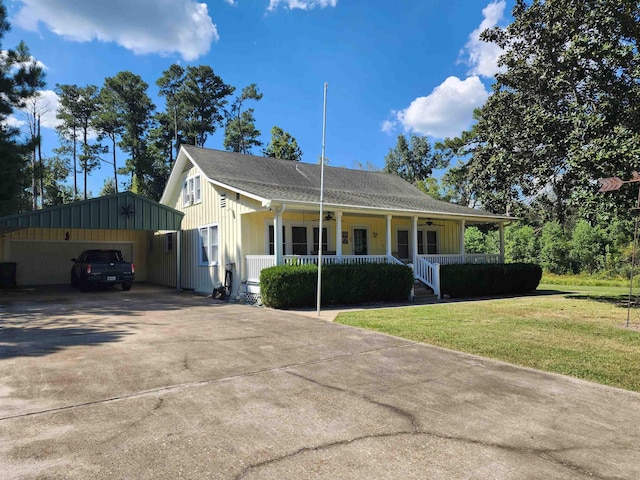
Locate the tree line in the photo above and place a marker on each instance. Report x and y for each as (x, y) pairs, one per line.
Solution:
(563, 112)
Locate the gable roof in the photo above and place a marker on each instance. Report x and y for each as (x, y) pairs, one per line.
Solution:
(120, 211)
(273, 180)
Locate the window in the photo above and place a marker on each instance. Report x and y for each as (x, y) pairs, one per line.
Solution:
(431, 245)
(271, 241)
(191, 191)
(168, 242)
(299, 240)
(325, 241)
(209, 245)
(403, 244)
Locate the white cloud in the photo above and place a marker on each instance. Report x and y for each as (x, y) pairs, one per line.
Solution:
(142, 26)
(389, 126)
(447, 111)
(483, 56)
(301, 4)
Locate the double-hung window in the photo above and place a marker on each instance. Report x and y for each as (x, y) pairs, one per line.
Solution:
(208, 238)
(191, 191)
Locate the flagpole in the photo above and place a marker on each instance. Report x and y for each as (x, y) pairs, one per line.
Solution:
(324, 129)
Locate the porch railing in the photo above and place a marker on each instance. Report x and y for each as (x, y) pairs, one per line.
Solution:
(255, 263)
(428, 273)
(470, 258)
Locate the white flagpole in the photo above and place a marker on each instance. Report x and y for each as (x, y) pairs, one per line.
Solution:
(324, 128)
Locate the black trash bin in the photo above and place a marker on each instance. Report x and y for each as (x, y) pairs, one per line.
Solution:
(8, 274)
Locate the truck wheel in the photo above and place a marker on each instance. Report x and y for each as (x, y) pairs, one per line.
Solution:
(126, 287)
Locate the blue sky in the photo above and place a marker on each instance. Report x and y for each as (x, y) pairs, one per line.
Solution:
(409, 66)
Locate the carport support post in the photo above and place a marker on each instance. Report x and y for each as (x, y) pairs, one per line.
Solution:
(179, 260)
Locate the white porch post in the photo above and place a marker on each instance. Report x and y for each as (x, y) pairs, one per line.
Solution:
(462, 252)
(388, 235)
(339, 236)
(414, 239)
(277, 235)
(501, 226)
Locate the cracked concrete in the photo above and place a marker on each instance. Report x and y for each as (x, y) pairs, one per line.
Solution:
(162, 385)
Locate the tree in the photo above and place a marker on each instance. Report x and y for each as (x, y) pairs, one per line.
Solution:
(203, 96)
(108, 125)
(133, 109)
(35, 108)
(520, 244)
(563, 110)
(20, 79)
(587, 247)
(282, 145)
(68, 129)
(413, 160)
(240, 133)
(170, 86)
(554, 249)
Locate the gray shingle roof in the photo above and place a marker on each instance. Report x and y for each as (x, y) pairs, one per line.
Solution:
(286, 181)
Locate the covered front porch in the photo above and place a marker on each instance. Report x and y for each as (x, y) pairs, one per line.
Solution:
(348, 237)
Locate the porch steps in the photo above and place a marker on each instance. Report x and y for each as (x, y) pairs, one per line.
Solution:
(422, 293)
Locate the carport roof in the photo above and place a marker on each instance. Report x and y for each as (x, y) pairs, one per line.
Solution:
(121, 211)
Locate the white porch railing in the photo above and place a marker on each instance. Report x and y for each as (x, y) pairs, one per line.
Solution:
(426, 268)
(255, 263)
(469, 258)
(428, 273)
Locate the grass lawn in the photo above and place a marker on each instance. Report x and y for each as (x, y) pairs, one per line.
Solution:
(577, 331)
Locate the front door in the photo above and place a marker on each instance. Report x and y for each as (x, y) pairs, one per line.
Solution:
(360, 241)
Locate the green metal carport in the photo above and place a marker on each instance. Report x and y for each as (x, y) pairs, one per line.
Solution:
(42, 242)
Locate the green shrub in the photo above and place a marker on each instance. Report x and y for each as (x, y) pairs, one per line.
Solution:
(292, 286)
(489, 279)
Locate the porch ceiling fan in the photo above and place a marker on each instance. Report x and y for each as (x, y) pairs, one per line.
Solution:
(327, 218)
(429, 223)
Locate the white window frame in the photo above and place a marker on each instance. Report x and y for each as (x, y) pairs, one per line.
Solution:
(213, 260)
(191, 188)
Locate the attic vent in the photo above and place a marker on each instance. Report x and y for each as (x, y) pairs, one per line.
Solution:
(223, 200)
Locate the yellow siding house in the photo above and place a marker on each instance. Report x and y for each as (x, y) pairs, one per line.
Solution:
(243, 213)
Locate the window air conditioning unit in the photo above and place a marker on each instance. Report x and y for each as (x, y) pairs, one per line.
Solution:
(190, 199)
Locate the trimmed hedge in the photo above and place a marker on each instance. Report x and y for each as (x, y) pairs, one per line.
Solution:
(293, 286)
(489, 279)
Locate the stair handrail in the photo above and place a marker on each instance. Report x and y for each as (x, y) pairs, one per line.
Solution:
(428, 273)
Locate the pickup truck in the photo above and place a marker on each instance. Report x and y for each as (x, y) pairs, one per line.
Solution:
(101, 267)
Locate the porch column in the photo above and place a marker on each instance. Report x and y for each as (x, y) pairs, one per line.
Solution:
(388, 236)
(501, 227)
(339, 235)
(277, 235)
(414, 239)
(462, 252)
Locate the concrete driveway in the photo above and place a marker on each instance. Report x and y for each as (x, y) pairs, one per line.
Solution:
(155, 384)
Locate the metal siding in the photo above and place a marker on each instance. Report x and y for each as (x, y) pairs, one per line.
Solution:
(37, 241)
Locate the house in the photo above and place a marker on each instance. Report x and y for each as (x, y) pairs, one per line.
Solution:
(247, 213)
